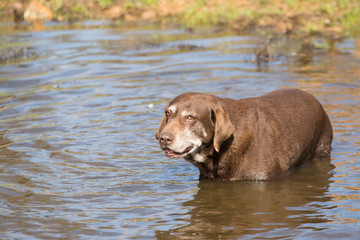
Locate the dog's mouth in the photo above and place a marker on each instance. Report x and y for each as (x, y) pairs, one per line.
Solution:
(171, 153)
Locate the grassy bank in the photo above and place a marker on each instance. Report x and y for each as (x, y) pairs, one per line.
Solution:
(337, 17)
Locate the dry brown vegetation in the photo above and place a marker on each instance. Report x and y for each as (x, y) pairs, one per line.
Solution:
(337, 17)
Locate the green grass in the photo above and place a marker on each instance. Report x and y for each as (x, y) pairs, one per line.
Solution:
(105, 3)
(315, 15)
(351, 21)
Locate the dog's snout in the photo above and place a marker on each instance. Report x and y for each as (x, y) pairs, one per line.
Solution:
(166, 138)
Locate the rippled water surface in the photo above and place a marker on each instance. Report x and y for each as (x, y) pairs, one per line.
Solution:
(79, 159)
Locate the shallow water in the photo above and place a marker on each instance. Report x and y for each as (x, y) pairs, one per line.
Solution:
(79, 159)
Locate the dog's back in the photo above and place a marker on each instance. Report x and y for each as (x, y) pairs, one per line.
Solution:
(289, 128)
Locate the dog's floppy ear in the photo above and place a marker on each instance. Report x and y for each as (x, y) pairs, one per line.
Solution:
(223, 127)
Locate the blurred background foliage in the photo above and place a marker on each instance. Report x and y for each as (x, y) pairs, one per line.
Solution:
(340, 17)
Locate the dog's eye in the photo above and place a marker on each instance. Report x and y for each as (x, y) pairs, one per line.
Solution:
(189, 117)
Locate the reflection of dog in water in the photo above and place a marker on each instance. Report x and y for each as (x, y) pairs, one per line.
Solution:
(223, 210)
(260, 138)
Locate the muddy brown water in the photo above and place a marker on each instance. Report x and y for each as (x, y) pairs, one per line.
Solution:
(79, 159)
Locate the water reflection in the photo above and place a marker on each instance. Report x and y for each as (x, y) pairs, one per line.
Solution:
(79, 159)
(30, 207)
(235, 210)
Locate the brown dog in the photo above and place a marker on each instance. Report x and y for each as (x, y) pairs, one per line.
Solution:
(257, 138)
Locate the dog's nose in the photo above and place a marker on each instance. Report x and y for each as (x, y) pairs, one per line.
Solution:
(166, 138)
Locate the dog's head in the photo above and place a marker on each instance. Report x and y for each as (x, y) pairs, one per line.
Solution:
(191, 122)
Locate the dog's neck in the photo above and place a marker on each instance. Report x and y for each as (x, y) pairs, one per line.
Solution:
(207, 159)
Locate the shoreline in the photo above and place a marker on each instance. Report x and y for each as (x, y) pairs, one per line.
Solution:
(272, 28)
(334, 20)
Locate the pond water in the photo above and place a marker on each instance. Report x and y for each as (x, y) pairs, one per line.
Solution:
(79, 159)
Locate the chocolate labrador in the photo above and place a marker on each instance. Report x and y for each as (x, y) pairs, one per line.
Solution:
(259, 138)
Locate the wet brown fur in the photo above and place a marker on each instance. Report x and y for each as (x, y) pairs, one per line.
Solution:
(259, 138)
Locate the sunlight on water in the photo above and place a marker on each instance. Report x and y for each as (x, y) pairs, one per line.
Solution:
(79, 158)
